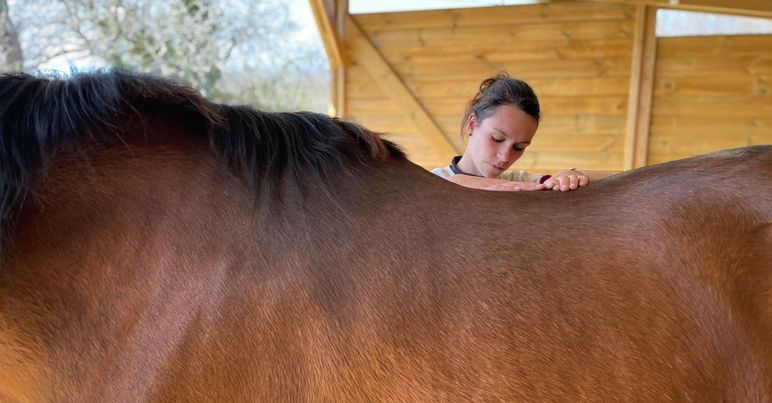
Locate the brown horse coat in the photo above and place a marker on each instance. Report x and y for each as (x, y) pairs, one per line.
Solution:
(161, 247)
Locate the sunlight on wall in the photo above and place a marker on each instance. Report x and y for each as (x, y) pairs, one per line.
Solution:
(687, 23)
(380, 6)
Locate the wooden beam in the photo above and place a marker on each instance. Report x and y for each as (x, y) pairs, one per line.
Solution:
(641, 87)
(390, 83)
(329, 34)
(329, 16)
(750, 8)
(340, 13)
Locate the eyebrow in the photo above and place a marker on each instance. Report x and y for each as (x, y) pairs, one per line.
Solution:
(507, 136)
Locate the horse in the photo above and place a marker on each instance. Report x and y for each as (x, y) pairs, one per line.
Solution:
(157, 246)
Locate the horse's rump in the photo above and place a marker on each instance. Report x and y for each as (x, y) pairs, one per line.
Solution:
(305, 258)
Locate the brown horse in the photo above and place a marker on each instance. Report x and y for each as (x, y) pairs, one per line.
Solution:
(157, 246)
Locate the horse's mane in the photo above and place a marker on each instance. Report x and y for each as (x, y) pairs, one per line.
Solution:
(41, 115)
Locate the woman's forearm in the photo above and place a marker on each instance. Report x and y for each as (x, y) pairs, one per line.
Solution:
(595, 175)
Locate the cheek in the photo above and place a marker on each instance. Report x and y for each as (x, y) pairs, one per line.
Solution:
(479, 143)
(489, 145)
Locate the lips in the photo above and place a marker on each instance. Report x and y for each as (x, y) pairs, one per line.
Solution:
(499, 167)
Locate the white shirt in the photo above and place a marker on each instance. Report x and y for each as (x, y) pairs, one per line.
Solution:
(510, 175)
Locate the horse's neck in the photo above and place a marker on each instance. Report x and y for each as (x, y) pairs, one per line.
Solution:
(116, 258)
(132, 250)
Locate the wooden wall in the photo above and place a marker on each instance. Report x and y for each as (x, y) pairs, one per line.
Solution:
(576, 56)
(410, 75)
(710, 93)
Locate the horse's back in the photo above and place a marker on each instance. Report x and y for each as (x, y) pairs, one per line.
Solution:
(703, 227)
(144, 269)
(651, 284)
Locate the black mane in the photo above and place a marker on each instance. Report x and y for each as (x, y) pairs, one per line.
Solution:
(40, 115)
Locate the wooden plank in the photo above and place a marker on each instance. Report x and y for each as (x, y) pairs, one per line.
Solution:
(753, 8)
(520, 14)
(715, 65)
(724, 125)
(570, 87)
(718, 45)
(465, 89)
(719, 85)
(391, 84)
(579, 105)
(564, 47)
(584, 105)
(565, 127)
(582, 68)
(513, 53)
(465, 86)
(564, 44)
(502, 34)
(385, 123)
(748, 106)
(600, 123)
(571, 125)
(669, 147)
(547, 161)
(580, 143)
(641, 88)
(380, 107)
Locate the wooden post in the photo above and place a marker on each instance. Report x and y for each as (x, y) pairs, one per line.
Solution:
(330, 37)
(641, 87)
(331, 24)
(340, 14)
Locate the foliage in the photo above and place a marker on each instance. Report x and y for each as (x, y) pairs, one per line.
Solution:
(10, 50)
(212, 45)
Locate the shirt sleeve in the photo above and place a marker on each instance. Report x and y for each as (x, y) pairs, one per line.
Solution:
(521, 176)
(443, 172)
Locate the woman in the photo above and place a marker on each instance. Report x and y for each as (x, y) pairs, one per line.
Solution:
(501, 121)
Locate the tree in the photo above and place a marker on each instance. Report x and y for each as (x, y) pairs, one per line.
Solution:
(10, 50)
(211, 45)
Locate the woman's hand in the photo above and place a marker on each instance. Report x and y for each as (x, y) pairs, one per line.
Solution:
(504, 185)
(566, 180)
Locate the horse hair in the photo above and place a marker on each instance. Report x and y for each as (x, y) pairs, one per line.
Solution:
(42, 114)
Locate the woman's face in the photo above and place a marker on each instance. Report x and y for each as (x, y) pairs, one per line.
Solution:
(497, 142)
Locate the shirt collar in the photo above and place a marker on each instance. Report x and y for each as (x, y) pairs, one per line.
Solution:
(456, 170)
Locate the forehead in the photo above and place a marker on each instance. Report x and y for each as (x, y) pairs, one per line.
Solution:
(506, 113)
(512, 122)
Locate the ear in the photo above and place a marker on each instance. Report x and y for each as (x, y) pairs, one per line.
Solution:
(471, 121)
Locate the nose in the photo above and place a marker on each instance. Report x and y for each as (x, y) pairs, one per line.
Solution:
(506, 154)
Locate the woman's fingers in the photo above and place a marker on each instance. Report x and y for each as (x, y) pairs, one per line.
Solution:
(566, 181)
(573, 181)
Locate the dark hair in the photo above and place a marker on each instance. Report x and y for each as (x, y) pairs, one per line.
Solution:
(501, 90)
(39, 116)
